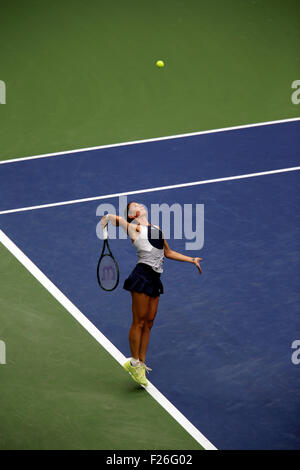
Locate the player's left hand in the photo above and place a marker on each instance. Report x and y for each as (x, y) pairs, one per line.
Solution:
(197, 264)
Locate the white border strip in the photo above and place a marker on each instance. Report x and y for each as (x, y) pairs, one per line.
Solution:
(155, 139)
(105, 343)
(141, 191)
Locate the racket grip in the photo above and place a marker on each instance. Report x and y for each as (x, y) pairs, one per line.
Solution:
(105, 233)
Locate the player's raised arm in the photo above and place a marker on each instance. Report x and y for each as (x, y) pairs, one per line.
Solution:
(117, 220)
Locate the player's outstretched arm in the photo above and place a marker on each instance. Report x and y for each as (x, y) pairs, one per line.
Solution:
(171, 254)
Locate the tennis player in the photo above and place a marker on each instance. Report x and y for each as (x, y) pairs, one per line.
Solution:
(144, 282)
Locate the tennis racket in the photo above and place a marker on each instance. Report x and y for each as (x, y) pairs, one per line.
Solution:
(107, 268)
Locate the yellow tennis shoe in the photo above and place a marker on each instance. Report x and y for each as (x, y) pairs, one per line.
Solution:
(137, 373)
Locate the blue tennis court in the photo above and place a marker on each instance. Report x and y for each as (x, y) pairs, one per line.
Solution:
(221, 345)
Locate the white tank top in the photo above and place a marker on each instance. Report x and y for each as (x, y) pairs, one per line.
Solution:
(150, 247)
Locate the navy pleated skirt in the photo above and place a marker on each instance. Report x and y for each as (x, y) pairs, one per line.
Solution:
(144, 279)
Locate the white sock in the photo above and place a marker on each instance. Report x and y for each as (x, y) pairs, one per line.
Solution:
(134, 362)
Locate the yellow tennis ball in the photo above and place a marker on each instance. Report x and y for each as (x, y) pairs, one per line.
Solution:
(160, 63)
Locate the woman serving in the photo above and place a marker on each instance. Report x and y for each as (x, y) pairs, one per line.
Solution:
(144, 282)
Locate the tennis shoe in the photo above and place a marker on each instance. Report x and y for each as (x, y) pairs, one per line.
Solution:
(137, 373)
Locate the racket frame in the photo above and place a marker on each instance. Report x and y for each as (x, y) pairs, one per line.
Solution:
(106, 244)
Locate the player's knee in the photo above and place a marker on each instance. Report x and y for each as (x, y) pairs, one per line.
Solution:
(139, 322)
(149, 323)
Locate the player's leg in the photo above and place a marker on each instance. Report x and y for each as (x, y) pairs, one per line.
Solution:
(140, 309)
(148, 323)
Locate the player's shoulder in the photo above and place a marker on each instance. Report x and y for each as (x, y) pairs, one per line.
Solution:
(133, 227)
(161, 233)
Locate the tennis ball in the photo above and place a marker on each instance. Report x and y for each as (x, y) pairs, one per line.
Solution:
(160, 63)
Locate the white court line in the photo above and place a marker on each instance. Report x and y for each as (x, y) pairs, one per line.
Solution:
(105, 343)
(155, 139)
(141, 191)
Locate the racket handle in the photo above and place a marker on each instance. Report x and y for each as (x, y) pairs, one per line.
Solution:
(105, 233)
